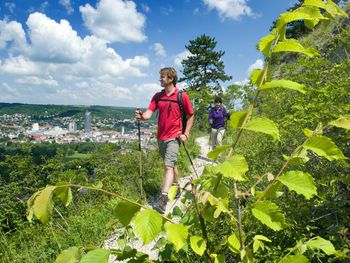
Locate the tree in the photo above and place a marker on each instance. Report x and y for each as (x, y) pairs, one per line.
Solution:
(203, 71)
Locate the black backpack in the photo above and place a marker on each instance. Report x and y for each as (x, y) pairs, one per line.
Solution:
(179, 102)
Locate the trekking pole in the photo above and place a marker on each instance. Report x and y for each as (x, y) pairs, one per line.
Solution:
(139, 134)
(189, 157)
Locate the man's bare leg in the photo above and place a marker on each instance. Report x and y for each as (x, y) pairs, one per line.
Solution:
(168, 178)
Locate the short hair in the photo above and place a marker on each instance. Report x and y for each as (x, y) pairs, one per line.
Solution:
(217, 100)
(170, 73)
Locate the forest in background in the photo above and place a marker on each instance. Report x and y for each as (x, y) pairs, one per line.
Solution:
(90, 219)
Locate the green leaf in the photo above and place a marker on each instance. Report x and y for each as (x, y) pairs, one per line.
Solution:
(342, 122)
(323, 244)
(301, 13)
(125, 211)
(258, 242)
(271, 192)
(234, 168)
(148, 224)
(324, 146)
(214, 154)
(293, 45)
(298, 159)
(285, 84)
(334, 10)
(69, 255)
(42, 204)
(96, 256)
(172, 192)
(198, 245)
(236, 119)
(218, 258)
(316, 3)
(269, 214)
(234, 244)
(176, 234)
(256, 77)
(294, 259)
(265, 44)
(65, 194)
(300, 182)
(264, 125)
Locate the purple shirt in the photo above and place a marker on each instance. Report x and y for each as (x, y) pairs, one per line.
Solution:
(218, 117)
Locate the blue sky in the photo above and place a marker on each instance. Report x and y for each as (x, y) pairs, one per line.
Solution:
(109, 52)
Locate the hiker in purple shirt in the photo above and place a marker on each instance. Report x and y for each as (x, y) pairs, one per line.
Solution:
(217, 118)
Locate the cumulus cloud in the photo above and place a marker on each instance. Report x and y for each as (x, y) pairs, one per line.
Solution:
(12, 32)
(63, 67)
(230, 9)
(67, 5)
(258, 64)
(53, 42)
(114, 21)
(159, 50)
(181, 56)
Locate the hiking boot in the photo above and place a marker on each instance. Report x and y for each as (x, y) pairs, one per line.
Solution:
(161, 204)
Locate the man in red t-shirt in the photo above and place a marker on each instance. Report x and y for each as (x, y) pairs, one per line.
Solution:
(169, 132)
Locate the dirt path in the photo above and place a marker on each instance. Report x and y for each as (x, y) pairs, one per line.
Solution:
(198, 163)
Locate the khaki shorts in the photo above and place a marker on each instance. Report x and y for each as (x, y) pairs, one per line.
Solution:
(169, 150)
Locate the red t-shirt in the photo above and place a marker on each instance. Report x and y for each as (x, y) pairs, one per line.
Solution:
(169, 114)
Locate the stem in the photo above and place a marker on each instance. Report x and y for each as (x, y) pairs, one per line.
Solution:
(239, 223)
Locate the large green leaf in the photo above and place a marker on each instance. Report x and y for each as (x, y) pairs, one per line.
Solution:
(172, 192)
(236, 119)
(293, 45)
(148, 224)
(300, 182)
(64, 193)
(234, 168)
(125, 211)
(214, 154)
(176, 234)
(323, 244)
(265, 44)
(42, 204)
(264, 125)
(96, 256)
(324, 146)
(198, 245)
(342, 122)
(69, 255)
(285, 84)
(272, 192)
(234, 244)
(301, 13)
(269, 214)
(294, 259)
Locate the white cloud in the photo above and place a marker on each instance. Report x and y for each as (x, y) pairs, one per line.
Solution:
(58, 66)
(230, 9)
(167, 10)
(258, 64)
(67, 5)
(12, 32)
(159, 50)
(53, 42)
(181, 56)
(19, 65)
(36, 81)
(114, 21)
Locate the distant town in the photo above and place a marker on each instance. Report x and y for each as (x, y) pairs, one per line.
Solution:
(22, 128)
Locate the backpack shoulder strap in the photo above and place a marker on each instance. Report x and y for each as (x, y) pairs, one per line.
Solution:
(179, 101)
